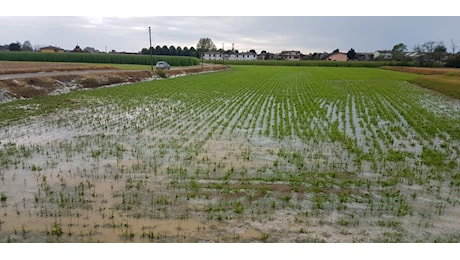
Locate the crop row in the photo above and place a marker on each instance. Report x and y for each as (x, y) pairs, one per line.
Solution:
(97, 58)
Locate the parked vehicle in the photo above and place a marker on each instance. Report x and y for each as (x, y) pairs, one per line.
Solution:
(163, 65)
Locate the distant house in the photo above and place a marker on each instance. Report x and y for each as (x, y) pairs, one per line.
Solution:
(243, 56)
(411, 55)
(338, 56)
(51, 49)
(213, 55)
(382, 55)
(291, 55)
(77, 49)
(365, 56)
(268, 56)
(234, 56)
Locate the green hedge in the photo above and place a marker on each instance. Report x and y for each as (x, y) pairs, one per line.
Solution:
(97, 58)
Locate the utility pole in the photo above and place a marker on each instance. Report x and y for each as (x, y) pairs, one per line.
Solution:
(223, 54)
(150, 50)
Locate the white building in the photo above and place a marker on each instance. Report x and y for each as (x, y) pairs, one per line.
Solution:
(234, 56)
(213, 55)
(383, 54)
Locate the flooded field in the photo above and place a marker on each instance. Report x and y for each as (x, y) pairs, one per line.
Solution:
(255, 154)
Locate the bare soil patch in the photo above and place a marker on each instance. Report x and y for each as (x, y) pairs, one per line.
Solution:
(80, 76)
(15, 67)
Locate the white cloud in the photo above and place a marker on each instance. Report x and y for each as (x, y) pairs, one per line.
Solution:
(308, 34)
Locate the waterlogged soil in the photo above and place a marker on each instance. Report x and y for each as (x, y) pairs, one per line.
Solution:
(249, 166)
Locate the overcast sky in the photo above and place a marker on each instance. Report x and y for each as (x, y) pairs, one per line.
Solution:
(122, 32)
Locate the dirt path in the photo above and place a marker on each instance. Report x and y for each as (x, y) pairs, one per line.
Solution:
(29, 84)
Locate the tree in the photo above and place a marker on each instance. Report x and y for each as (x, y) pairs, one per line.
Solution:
(453, 45)
(145, 51)
(204, 45)
(179, 51)
(164, 50)
(185, 51)
(253, 51)
(397, 53)
(157, 50)
(351, 54)
(439, 52)
(453, 61)
(194, 52)
(335, 51)
(429, 53)
(27, 46)
(172, 50)
(14, 46)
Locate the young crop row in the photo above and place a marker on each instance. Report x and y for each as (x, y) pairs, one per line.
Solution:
(295, 153)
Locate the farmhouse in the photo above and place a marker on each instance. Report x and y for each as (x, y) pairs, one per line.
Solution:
(212, 55)
(338, 57)
(382, 54)
(290, 55)
(51, 49)
(364, 56)
(268, 56)
(243, 56)
(77, 49)
(233, 56)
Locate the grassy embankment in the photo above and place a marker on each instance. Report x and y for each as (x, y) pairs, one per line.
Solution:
(442, 80)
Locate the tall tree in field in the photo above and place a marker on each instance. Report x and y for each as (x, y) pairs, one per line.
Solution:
(351, 54)
(27, 46)
(204, 45)
(397, 53)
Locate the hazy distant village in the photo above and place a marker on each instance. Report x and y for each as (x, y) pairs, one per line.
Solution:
(430, 52)
(227, 55)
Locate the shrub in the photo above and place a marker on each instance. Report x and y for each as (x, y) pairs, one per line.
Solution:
(453, 62)
(3, 196)
(161, 73)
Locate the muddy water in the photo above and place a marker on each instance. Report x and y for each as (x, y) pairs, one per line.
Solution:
(149, 172)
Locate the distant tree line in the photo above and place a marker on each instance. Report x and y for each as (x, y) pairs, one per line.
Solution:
(428, 54)
(17, 46)
(172, 51)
